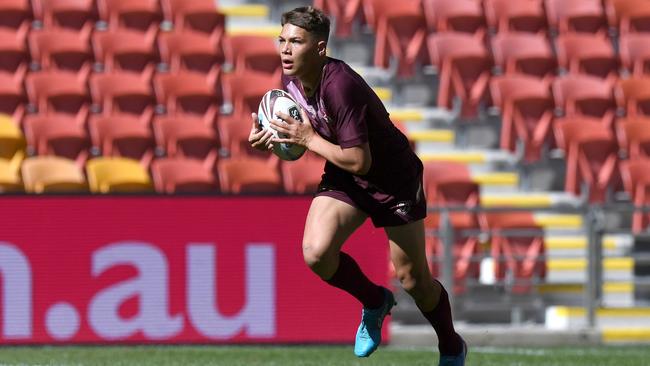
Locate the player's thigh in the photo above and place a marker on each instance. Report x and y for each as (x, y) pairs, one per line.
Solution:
(407, 248)
(329, 223)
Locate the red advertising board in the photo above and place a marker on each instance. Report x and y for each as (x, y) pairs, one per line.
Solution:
(170, 270)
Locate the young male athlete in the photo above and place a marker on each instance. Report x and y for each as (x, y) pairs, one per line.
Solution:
(371, 171)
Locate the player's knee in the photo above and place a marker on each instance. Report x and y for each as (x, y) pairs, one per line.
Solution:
(412, 281)
(314, 258)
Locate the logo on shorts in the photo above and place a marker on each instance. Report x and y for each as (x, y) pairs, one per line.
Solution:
(402, 208)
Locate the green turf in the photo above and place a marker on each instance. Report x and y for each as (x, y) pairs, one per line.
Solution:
(316, 356)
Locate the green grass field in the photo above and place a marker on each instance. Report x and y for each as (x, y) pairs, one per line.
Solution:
(316, 356)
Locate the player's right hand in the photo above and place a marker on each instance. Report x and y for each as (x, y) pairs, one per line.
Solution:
(259, 138)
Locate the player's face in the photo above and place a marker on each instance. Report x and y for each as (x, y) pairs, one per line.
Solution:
(301, 53)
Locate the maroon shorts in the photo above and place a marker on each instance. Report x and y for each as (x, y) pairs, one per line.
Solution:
(404, 206)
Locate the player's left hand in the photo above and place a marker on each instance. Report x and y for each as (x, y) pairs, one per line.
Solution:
(296, 132)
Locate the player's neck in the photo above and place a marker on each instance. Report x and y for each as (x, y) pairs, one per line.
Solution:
(310, 82)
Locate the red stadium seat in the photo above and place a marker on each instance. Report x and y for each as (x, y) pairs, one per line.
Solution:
(121, 136)
(400, 33)
(140, 15)
(577, 16)
(455, 15)
(518, 251)
(634, 137)
(515, 16)
(636, 180)
(180, 175)
(58, 92)
(14, 55)
(196, 15)
(628, 16)
(59, 134)
(123, 93)
(584, 95)
(71, 14)
(125, 50)
(635, 53)
(245, 91)
(633, 95)
(449, 184)
(527, 110)
(248, 175)
(254, 53)
(344, 13)
(582, 53)
(302, 176)
(61, 49)
(464, 67)
(12, 97)
(191, 51)
(15, 15)
(524, 53)
(188, 138)
(233, 134)
(591, 157)
(190, 93)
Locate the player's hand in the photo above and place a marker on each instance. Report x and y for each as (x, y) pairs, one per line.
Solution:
(260, 138)
(296, 132)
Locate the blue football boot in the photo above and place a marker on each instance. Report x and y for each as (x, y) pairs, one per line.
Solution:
(369, 332)
(458, 360)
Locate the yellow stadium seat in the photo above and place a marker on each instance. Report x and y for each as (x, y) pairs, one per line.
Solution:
(9, 179)
(110, 175)
(12, 142)
(45, 174)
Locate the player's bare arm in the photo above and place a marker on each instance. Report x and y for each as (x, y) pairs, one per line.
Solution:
(259, 138)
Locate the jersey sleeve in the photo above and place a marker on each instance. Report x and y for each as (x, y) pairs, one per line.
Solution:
(346, 103)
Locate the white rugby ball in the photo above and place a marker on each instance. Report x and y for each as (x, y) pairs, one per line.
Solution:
(276, 100)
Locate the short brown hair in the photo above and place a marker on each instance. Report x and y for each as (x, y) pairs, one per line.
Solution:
(310, 19)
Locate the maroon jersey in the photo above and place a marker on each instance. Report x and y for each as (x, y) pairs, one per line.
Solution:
(346, 111)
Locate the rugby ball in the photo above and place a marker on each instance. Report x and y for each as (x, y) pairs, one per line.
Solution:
(276, 100)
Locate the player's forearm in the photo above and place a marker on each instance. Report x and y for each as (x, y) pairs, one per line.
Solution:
(355, 160)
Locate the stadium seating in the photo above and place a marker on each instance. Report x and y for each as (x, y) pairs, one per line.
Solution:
(578, 16)
(518, 16)
(455, 15)
(15, 15)
(117, 175)
(527, 111)
(188, 138)
(140, 15)
(633, 96)
(78, 15)
(58, 134)
(13, 100)
(582, 53)
(125, 50)
(190, 93)
(464, 67)
(343, 12)
(449, 184)
(303, 175)
(517, 249)
(591, 158)
(12, 142)
(191, 51)
(123, 93)
(180, 175)
(248, 175)
(58, 92)
(635, 53)
(244, 91)
(400, 33)
(636, 180)
(233, 135)
(9, 178)
(628, 16)
(196, 15)
(122, 136)
(14, 55)
(48, 174)
(584, 95)
(524, 53)
(61, 49)
(254, 53)
(634, 137)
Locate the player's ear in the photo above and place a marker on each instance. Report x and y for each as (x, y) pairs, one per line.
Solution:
(322, 48)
